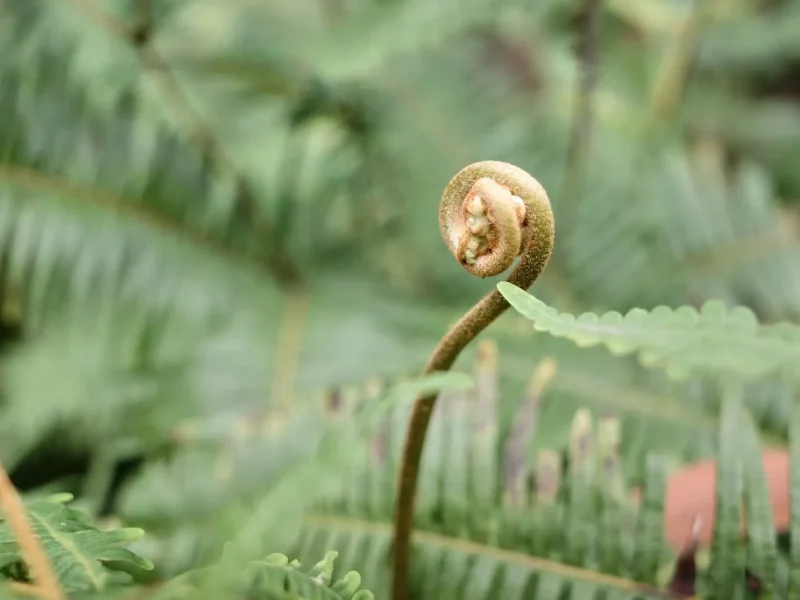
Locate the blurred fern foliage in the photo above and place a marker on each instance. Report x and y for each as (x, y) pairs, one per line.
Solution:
(218, 253)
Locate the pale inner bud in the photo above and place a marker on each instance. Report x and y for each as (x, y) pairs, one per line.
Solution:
(479, 226)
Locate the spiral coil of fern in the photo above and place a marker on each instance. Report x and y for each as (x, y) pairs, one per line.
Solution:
(490, 213)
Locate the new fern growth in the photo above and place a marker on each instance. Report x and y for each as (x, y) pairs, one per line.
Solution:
(490, 213)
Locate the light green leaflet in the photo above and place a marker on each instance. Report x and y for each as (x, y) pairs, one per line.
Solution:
(682, 341)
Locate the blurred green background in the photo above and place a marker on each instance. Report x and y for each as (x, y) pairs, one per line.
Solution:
(212, 212)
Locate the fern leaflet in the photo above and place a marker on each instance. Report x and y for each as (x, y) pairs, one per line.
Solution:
(82, 555)
(682, 341)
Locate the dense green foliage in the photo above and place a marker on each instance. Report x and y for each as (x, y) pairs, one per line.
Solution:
(217, 218)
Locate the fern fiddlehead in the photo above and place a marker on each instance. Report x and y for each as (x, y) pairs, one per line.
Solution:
(490, 213)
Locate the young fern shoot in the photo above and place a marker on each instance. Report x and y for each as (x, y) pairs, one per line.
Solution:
(490, 213)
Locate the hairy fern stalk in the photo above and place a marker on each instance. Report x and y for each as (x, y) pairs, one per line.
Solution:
(490, 213)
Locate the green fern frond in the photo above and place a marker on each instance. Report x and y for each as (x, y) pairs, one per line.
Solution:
(83, 556)
(489, 531)
(478, 513)
(683, 341)
(113, 193)
(237, 478)
(275, 572)
(273, 577)
(447, 566)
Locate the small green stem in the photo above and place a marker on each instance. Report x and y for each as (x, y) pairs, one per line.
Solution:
(490, 213)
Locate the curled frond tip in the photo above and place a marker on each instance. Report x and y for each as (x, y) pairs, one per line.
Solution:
(492, 212)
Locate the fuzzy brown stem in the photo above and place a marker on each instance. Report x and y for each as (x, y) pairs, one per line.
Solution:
(538, 236)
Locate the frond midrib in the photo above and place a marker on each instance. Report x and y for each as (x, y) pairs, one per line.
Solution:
(444, 542)
(40, 182)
